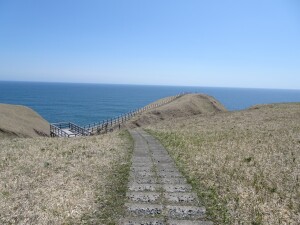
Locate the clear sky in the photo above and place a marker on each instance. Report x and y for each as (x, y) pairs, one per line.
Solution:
(218, 43)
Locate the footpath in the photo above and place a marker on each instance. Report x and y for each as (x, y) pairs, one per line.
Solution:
(158, 194)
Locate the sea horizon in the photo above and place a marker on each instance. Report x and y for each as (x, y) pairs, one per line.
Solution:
(85, 103)
(155, 85)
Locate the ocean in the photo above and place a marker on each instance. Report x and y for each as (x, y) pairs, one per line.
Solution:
(88, 103)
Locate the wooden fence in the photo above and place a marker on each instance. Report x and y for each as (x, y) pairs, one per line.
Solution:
(60, 129)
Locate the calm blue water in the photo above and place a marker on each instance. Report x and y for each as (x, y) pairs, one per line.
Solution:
(87, 103)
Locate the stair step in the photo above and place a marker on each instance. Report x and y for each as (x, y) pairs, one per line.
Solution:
(141, 154)
(165, 165)
(189, 198)
(142, 174)
(143, 187)
(141, 169)
(144, 161)
(169, 174)
(150, 197)
(172, 180)
(185, 212)
(177, 187)
(163, 160)
(141, 164)
(143, 180)
(142, 221)
(138, 209)
(168, 169)
(158, 193)
(188, 222)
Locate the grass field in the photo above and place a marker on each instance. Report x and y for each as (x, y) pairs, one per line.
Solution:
(244, 165)
(64, 181)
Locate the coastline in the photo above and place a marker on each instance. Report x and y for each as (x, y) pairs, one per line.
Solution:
(233, 160)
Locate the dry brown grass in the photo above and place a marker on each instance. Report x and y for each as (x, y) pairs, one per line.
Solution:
(21, 121)
(184, 106)
(245, 165)
(63, 181)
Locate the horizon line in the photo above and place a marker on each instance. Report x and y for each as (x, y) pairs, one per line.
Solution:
(160, 85)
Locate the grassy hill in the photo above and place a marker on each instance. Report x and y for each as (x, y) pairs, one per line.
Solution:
(183, 107)
(21, 121)
(245, 165)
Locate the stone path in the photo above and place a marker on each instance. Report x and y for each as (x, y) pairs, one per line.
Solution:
(157, 191)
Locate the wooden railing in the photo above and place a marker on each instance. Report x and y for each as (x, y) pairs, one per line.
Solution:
(104, 125)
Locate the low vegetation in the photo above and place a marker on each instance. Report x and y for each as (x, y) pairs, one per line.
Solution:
(64, 181)
(184, 106)
(21, 121)
(244, 165)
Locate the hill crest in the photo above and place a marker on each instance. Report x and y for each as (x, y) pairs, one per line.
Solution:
(184, 106)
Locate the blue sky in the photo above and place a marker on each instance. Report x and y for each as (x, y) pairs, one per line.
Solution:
(218, 43)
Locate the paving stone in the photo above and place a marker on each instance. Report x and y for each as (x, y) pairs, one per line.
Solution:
(141, 164)
(185, 212)
(143, 187)
(142, 221)
(168, 169)
(142, 174)
(177, 187)
(188, 222)
(144, 209)
(142, 155)
(138, 196)
(163, 160)
(189, 198)
(141, 148)
(141, 168)
(143, 180)
(142, 151)
(172, 180)
(140, 159)
(138, 162)
(165, 165)
(160, 155)
(169, 174)
(136, 157)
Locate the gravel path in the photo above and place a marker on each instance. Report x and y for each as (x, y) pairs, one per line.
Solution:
(157, 191)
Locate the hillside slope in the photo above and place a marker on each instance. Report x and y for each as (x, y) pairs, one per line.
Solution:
(21, 121)
(185, 106)
(244, 164)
